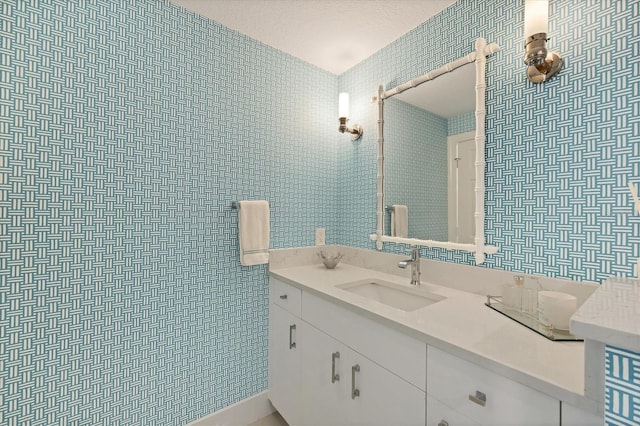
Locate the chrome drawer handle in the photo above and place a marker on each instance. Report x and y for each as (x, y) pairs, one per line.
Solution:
(292, 344)
(334, 377)
(355, 392)
(443, 423)
(479, 398)
(283, 297)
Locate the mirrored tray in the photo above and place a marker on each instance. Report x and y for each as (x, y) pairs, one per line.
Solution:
(495, 303)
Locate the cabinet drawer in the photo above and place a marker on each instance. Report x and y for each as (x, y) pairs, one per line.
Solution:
(399, 353)
(285, 296)
(439, 414)
(456, 383)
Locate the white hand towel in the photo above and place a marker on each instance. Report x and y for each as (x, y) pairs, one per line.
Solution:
(400, 221)
(253, 232)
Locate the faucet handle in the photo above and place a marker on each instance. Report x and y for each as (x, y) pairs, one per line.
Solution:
(415, 253)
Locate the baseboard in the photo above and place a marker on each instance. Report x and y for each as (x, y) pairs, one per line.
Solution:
(241, 413)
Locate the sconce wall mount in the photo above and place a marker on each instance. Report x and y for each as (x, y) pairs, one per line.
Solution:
(343, 114)
(355, 131)
(541, 64)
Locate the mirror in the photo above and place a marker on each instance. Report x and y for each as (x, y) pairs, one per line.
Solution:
(425, 125)
(430, 158)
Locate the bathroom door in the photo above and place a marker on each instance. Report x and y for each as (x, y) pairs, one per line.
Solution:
(462, 183)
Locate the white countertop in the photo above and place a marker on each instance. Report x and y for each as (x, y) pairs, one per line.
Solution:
(611, 315)
(461, 325)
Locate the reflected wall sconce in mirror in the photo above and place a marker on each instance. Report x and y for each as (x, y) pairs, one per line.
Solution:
(541, 64)
(343, 114)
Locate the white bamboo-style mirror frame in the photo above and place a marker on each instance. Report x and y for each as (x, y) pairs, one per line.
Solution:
(479, 248)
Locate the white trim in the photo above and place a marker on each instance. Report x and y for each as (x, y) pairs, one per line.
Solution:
(460, 137)
(243, 412)
(432, 243)
(479, 248)
(380, 164)
(481, 112)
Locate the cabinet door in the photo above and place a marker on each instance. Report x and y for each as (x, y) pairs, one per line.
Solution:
(284, 363)
(363, 394)
(324, 378)
(382, 397)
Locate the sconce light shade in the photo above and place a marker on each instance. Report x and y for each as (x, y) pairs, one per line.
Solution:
(343, 117)
(536, 17)
(343, 105)
(542, 64)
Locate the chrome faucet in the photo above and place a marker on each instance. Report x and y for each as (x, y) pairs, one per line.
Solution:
(415, 266)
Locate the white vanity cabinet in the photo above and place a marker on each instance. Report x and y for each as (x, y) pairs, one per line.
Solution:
(332, 363)
(284, 351)
(344, 369)
(473, 395)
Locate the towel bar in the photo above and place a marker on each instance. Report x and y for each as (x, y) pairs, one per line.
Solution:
(236, 205)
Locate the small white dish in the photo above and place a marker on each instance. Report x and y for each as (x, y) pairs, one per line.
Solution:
(555, 309)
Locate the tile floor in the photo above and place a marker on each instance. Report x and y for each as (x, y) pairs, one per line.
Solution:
(275, 419)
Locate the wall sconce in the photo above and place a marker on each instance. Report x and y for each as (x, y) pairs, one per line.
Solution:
(343, 114)
(542, 64)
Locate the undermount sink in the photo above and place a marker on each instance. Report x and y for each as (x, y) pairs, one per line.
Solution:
(394, 295)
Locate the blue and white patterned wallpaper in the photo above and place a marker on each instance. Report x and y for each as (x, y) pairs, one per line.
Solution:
(461, 123)
(416, 157)
(126, 129)
(622, 387)
(559, 154)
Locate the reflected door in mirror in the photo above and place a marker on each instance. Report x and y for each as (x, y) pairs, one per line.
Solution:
(462, 182)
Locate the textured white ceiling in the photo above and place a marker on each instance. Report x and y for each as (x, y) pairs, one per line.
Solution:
(332, 34)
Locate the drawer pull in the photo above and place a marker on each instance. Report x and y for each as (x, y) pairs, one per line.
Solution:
(479, 398)
(443, 423)
(334, 377)
(355, 392)
(283, 296)
(292, 344)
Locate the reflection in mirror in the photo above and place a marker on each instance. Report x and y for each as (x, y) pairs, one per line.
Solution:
(410, 180)
(430, 159)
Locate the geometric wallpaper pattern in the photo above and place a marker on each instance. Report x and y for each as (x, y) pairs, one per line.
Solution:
(461, 123)
(622, 387)
(416, 159)
(126, 130)
(559, 155)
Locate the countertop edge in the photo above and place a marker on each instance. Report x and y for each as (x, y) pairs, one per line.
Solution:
(611, 315)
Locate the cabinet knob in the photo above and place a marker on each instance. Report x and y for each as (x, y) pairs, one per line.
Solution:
(479, 398)
(283, 296)
(443, 423)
